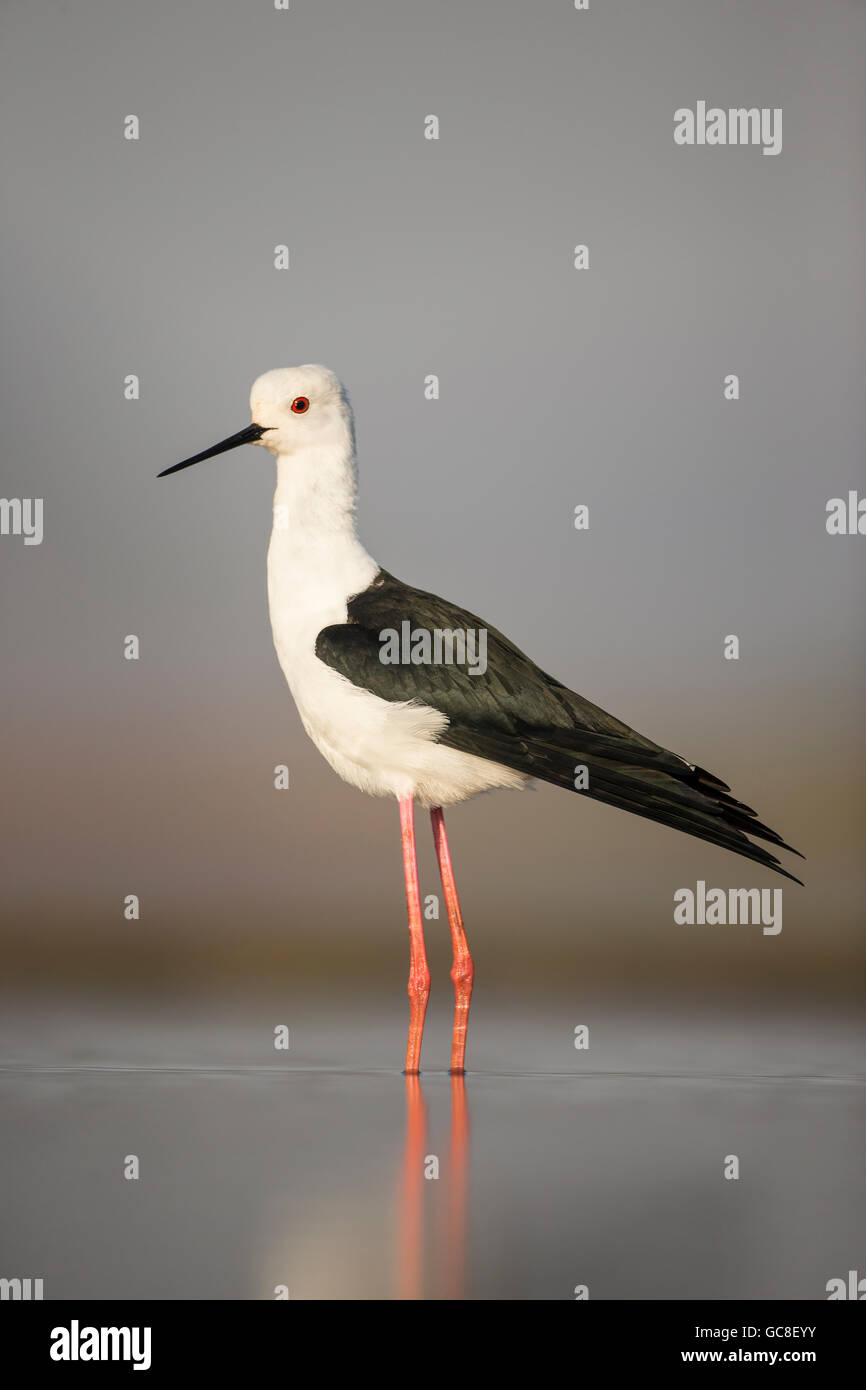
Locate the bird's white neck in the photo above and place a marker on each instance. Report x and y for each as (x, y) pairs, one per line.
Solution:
(315, 559)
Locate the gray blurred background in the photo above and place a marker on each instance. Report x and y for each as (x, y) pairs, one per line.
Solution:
(604, 387)
(412, 257)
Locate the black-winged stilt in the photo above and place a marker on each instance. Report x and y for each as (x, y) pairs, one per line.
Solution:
(407, 695)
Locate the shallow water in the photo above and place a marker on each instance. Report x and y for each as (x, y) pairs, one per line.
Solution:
(577, 1169)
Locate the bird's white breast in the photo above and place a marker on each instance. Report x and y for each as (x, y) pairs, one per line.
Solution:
(384, 748)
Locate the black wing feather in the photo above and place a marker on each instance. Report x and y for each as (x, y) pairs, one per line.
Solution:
(517, 715)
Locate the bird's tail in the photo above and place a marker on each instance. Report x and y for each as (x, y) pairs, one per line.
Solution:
(635, 776)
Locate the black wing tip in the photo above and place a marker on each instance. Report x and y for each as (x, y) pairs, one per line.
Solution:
(703, 776)
(785, 874)
(743, 818)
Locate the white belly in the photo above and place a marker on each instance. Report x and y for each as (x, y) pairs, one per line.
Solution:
(384, 748)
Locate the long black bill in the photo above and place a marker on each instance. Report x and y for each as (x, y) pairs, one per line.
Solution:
(251, 435)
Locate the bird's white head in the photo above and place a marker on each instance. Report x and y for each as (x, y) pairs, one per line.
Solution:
(294, 409)
(301, 407)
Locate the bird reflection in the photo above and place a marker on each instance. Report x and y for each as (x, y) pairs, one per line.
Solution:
(450, 1248)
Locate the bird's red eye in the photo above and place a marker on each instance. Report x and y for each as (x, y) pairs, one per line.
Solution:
(300, 404)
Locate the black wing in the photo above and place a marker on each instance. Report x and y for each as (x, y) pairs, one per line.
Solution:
(517, 715)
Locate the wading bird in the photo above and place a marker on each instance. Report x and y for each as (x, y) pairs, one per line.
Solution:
(424, 730)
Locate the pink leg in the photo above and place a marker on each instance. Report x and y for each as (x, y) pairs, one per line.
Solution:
(462, 971)
(419, 973)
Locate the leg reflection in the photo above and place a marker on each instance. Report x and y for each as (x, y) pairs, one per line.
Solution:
(448, 1198)
(454, 1253)
(410, 1236)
